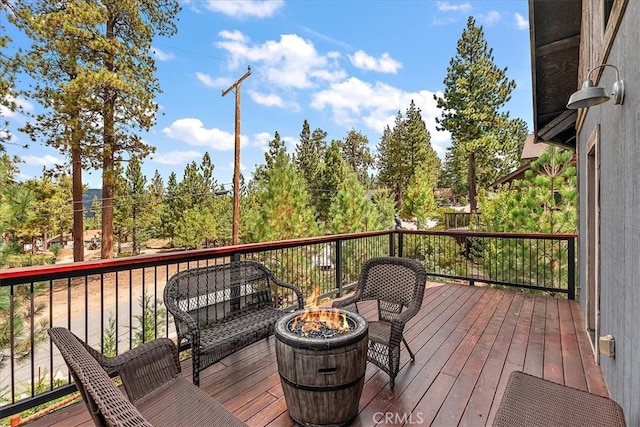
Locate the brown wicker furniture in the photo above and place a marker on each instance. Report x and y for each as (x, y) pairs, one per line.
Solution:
(397, 284)
(532, 401)
(222, 308)
(158, 393)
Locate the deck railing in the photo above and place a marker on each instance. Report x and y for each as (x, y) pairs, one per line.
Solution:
(116, 304)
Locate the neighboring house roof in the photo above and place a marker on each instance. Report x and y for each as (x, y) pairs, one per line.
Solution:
(532, 149)
(530, 152)
(555, 54)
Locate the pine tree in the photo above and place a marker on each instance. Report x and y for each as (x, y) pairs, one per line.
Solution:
(333, 173)
(420, 199)
(136, 203)
(309, 155)
(476, 90)
(352, 211)
(91, 62)
(156, 195)
(403, 150)
(356, 154)
(171, 208)
(281, 208)
(7, 80)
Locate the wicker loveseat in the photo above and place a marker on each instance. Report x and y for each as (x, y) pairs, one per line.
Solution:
(158, 393)
(222, 308)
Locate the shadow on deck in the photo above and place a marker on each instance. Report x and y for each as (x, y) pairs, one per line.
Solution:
(467, 341)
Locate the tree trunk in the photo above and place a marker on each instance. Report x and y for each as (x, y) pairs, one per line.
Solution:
(471, 180)
(108, 173)
(78, 211)
(106, 250)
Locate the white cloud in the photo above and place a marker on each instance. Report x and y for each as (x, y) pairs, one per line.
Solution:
(219, 82)
(160, 55)
(246, 8)
(489, 18)
(176, 157)
(46, 160)
(291, 62)
(262, 139)
(356, 103)
(521, 22)
(193, 132)
(384, 64)
(273, 100)
(445, 6)
(269, 100)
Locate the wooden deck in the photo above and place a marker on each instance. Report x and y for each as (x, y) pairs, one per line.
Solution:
(467, 340)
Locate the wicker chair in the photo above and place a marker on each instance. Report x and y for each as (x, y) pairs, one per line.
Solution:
(533, 401)
(396, 284)
(158, 393)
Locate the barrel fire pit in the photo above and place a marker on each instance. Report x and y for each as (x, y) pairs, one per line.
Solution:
(322, 358)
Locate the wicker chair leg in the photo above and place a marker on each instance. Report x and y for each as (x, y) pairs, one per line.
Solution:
(196, 375)
(406, 344)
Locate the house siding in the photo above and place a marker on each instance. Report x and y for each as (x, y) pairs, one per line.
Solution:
(619, 216)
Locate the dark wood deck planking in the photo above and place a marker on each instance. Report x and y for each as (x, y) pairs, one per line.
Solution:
(466, 339)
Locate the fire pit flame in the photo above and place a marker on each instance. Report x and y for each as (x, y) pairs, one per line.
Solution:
(320, 323)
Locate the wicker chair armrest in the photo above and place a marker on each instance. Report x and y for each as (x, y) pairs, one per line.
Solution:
(294, 288)
(193, 334)
(147, 367)
(351, 299)
(407, 314)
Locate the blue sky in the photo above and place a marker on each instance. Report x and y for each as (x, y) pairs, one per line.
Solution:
(339, 64)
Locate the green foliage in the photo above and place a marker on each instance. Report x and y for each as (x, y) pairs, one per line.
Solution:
(356, 154)
(420, 202)
(309, 156)
(91, 63)
(544, 202)
(352, 211)
(55, 249)
(150, 320)
(485, 142)
(110, 337)
(385, 204)
(197, 226)
(18, 312)
(402, 151)
(134, 209)
(281, 208)
(333, 173)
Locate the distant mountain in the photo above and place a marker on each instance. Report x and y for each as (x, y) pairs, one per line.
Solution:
(87, 198)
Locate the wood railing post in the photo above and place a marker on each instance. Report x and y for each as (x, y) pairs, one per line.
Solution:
(571, 268)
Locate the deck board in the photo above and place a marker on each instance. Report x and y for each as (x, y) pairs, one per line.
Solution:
(466, 339)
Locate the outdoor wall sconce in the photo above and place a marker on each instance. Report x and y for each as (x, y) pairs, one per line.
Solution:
(591, 95)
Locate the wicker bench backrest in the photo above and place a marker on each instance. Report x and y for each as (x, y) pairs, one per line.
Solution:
(107, 405)
(212, 293)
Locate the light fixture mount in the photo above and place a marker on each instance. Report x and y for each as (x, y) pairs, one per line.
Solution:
(590, 95)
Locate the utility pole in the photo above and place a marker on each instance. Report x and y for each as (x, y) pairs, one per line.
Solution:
(236, 160)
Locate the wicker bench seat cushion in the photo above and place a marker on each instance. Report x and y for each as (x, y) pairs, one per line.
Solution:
(237, 332)
(179, 403)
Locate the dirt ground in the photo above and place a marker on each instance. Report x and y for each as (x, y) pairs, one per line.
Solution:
(99, 291)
